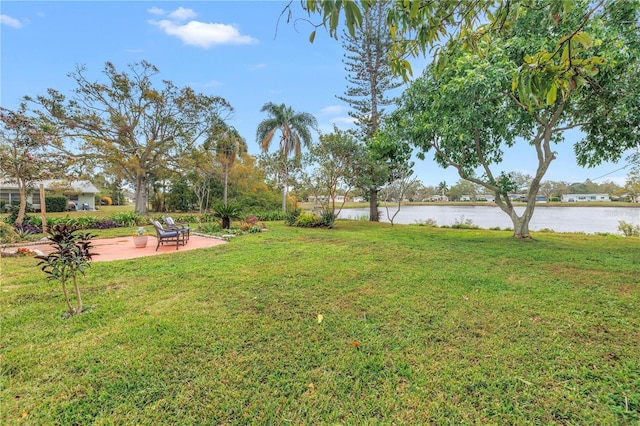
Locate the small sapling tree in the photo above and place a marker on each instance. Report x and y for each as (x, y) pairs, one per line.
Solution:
(71, 255)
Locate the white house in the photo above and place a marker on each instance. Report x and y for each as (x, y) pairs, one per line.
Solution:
(326, 199)
(478, 197)
(581, 198)
(83, 192)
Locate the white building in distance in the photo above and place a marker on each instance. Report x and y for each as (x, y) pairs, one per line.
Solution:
(581, 198)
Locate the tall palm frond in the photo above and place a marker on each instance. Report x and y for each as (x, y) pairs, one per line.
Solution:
(295, 131)
(295, 128)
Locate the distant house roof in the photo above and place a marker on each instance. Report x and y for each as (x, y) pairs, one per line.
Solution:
(83, 186)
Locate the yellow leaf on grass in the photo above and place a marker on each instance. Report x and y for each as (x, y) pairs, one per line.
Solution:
(320, 318)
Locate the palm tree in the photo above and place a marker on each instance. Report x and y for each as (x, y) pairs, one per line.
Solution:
(294, 127)
(228, 146)
(442, 187)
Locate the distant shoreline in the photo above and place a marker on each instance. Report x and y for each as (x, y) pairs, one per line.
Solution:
(353, 205)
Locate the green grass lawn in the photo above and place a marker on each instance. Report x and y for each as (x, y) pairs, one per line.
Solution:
(420, 326)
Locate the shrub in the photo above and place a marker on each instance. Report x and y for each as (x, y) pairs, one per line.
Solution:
(106, 201)
(464, 224)
(308, 220)
(254, 229)
(209, 228)
(327, 218)
(206, 217)
(37, 221)
(105, 224)
(86, 222)
(291, 217)
(273, 215)
(56, 204)
(127, 218)
(185, 218)
(629, 229)
(71, 255)
(428, 222)
(257, 201)
(13, 212)
(28, 228)
(226, 214)
(245, 226)
(7, 234)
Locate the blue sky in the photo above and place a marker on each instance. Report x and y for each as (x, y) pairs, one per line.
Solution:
(233, 49)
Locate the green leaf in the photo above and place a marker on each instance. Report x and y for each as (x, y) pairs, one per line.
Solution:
(565, 54)
(584, 39)
(552, 94)
(415, 7)
(312, 36)
(579, 80)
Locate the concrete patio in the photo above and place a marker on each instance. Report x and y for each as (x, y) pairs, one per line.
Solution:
(122, 247)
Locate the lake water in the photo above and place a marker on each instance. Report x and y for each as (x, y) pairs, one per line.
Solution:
(560, 219)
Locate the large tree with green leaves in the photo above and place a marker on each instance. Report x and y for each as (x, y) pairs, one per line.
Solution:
(332, 168)
(632, 185)
(471, 111)
(295, 131)
(445, 27)
(370, 79)
(28, 153)
(130, 122)
(201, 171)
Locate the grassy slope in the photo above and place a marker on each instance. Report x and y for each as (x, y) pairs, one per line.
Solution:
(453, 326)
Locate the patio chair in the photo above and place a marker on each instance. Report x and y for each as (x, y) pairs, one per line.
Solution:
(168, 235)
(183, 227)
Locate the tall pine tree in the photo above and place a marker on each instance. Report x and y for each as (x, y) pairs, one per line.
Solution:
(370, 77)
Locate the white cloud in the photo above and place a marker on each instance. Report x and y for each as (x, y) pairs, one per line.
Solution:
(344, 120)
(213, 83)
(156, 11)
(332, 109)
(196, 33)
(182, 14)
(257, 67)
(12, 22)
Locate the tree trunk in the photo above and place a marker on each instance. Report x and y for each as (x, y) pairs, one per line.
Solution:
(22, 209)
(226, 183)
(66, 293)
(141, 195)
(520, 223)
(285, 190)
(226, 223)
(285, 183)
(78, 297)
(373, 205)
